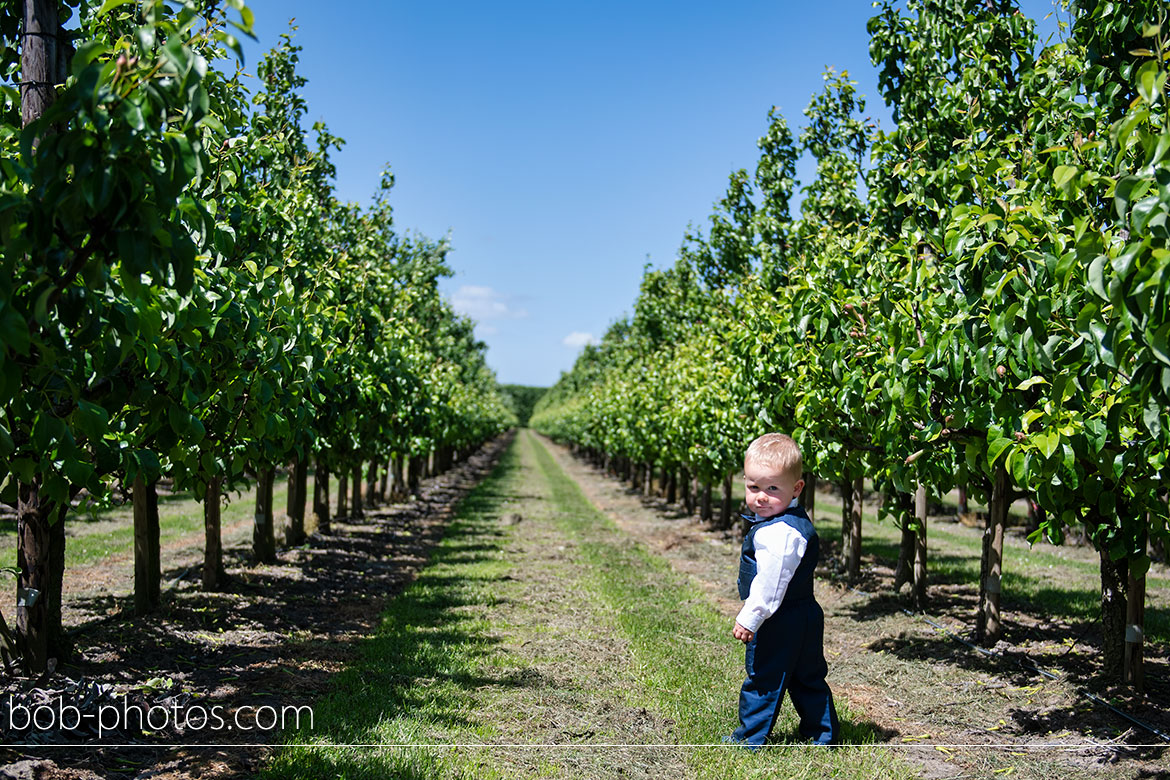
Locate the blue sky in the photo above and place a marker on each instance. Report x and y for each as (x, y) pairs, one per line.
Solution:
(563, 145)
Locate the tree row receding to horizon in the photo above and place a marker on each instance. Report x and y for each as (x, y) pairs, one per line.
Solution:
(976, 297)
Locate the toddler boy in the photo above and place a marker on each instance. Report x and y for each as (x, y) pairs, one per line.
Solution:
(781, 623)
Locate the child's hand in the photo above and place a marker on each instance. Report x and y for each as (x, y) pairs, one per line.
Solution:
(741, 633)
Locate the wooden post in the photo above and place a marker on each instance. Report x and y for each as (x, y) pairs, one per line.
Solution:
(920, 548)
(1135, 626)
(213, 573)
(40, 59)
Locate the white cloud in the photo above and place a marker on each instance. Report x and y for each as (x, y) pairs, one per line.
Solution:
(484, 303)
(577, 339)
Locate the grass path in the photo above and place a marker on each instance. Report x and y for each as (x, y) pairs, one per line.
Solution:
(543, 641)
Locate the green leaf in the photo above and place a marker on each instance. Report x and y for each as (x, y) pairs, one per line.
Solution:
(110, 5)
(1139, 565)
(7, 445)
(1036, 380)
(1159, 342)
(995, 449)
(1048, 442)
(1063, 175)
(1097, 277)
(1152, 417)
(1150, 80)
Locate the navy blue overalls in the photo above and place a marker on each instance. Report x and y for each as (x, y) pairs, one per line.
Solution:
(787, 651)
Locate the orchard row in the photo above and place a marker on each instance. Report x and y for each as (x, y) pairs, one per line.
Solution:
(977, 297)
(183, 296)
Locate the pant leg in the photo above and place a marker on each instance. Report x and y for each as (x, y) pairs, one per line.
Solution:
(807, 686)
(769, 659)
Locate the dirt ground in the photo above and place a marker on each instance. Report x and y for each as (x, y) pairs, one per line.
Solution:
(273, 638)
(946, 706)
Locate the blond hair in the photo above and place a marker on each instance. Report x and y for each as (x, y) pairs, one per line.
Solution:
(776, 451)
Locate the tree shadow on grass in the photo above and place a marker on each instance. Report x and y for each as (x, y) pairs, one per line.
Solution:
(853, 732)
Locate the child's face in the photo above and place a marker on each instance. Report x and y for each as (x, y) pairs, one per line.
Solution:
(768, 492)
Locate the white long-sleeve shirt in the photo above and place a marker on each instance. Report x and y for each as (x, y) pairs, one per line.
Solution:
(779, 550)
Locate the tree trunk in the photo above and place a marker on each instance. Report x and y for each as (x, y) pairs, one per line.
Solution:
(808, 496)
(920, 548)
(372, 484)
(846, 489)
(1135, 619)
(356, 488)
(384, 487)
(342, 493)
(688, 495)
(414, 476)
(705, 502)
(1114, 578)
(40, 528)
(397, 479)
(904, 571)
(147, 556)
(263, 533)
(672, 487)
(298, 479)
(725, 507)
(988, 623)
(213, 573)
(855, 507)
(321, 497)
(648, 481)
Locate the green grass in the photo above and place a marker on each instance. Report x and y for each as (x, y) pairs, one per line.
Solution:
(436, 672)
(690, 668)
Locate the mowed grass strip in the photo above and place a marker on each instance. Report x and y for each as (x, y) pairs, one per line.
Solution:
(689, 668)
(420, 679)
(470, 656)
